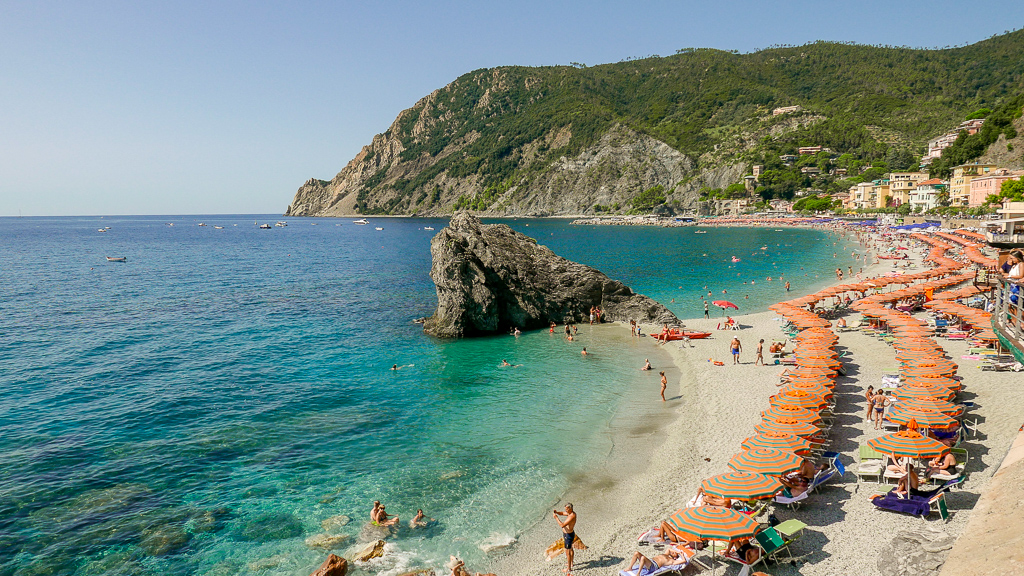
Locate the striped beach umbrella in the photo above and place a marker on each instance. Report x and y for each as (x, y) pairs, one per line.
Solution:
(923, 391)
(804, 362)
(713, 523)
(811, 379)
(794, 427)
(901, 413)
(814, 388)
(934, 404)
(929, 367)
(908, 443)
(799, 398)
(765, 461)
(795, 412)
(813, 371)
(778, 441)
(936, 380)
(815, 352)
(742, 485)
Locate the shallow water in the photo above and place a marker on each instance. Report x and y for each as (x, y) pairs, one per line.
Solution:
(204, 407)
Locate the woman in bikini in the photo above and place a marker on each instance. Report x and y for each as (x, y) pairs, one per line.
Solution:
(881, 401)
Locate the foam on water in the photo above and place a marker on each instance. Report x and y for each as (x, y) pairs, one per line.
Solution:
(205, 406)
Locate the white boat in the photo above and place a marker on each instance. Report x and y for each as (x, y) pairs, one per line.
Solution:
(265, 226)
(117, 258)
(379, 228)
(361, 221)
(281, 224)
(428, 227)
(202, 224)
(218, 227)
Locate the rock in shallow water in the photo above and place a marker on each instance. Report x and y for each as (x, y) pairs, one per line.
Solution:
(333, 566)
(268, 527)
(490, 278)
(335, 522)
(374, 550)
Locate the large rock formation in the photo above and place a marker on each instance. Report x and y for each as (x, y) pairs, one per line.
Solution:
(491, 278)
(333, 566)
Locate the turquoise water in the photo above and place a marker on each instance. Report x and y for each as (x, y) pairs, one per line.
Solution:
(204, 407)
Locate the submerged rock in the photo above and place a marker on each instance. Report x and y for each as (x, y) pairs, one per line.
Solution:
(164, 539)
(372, 532)
(333, 566)
(327, 541)
(335, 522)
(268, 527)
(490, 278)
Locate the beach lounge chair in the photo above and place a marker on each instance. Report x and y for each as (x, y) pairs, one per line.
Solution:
(823, 476)
(918, 502)
(793, 502)
(871, 464)
(771, 543)
(687, 557)
(961, 465)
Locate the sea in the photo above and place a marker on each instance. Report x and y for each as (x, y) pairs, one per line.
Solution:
(223, 402)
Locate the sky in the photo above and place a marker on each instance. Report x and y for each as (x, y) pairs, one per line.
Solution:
(211, 107)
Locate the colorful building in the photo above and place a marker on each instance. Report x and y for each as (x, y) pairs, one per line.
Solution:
(960, 183)
(982, 186)
(925, 196)
(902, 183)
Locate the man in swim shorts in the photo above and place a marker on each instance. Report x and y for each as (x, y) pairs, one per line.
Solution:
(568, 533)
(648, 565)
(735, 348)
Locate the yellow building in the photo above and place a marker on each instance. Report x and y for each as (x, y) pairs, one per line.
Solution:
(901, 184)
(882, 193)
(960, 183)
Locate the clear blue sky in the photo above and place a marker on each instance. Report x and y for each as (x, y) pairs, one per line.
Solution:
(193, 107)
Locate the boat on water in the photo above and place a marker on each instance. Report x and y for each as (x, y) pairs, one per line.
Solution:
(379, 228)
(428, 227)
(701, 232)
(361, 221)
(102, 230)
(281, 224)
(218, 227)
(117, 258)
(202, 224)
(679, 335)
(265, 226)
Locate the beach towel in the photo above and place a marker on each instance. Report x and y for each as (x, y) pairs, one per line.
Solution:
(914, 505)
(559, 548)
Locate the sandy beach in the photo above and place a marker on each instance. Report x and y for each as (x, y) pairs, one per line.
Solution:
(662, 451)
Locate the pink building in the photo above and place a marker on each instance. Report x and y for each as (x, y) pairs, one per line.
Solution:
(983, 186)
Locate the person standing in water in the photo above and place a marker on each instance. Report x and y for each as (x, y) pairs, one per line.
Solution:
(568, 533)
(664, 384)
(706, 314)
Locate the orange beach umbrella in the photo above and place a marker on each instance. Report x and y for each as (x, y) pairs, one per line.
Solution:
(765, 461)
(778, 441)
(742, 485)
(908, 443)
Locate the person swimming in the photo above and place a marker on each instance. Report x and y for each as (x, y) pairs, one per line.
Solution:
(584, 353)
(420, 520)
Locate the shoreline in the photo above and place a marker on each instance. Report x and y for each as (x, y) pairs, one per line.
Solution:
(658, 460)
(717, 409)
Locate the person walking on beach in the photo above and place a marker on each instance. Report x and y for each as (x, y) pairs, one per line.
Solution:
(870, 397)
(706, 315)
(664, 384)
(568, 533)
(760, 352)
(735, 348)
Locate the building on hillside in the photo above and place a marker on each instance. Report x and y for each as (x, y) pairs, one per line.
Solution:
(757, 170)
(788, 159)
(812, 170)
(809, 149)
(937, 145)
(926, 195)
(960, 183)
(838, 171)
(861, 196)
(1009, 228)
(780, 205)
(786, 110)
(749, 182)
(982, 186)
(901, 183)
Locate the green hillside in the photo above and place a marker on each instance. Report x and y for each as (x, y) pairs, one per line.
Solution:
(873, 106)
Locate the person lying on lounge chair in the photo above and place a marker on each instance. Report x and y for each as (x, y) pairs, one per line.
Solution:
(645, 565)
(669, 534)
(798, 480)
(742, 548)
(941, 464)
(709, 500)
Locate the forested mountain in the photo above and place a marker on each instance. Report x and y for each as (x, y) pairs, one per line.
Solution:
(664, 131)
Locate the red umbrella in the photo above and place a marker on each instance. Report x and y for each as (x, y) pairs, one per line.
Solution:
(723, 304)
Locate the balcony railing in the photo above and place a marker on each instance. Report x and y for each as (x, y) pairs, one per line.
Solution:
(1008, 319)
(1005, 238)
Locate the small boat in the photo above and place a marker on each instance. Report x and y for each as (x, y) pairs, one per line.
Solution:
(428, 227)
(170, 223)
(218, 227)
(265, 226)
(117, 258)
(361, 221)
(379, 228)
(102, 230)
(735, 259)
(701, 232)
(281, 224)
(677, 335)
(202, 224)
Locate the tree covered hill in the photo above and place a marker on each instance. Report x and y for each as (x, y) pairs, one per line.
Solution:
(564, 139)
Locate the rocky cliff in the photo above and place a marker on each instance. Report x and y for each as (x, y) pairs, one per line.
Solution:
(491, 278)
